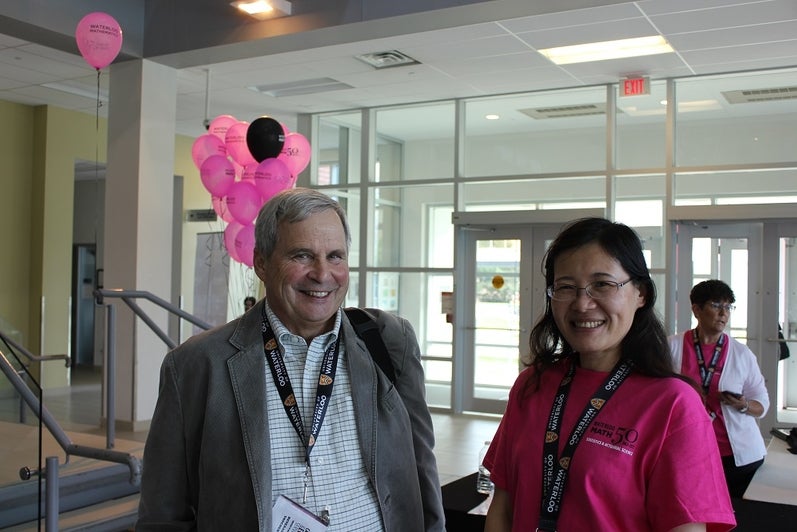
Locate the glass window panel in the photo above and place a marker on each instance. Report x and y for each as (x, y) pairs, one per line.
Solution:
(416, 297)
(415, 142)
(411, 226)
(531, 194)
(536, 133)
(438, 383)
(737, 187)
(641, 128)
(640, 204)
(735, 119)
(338, 149)
(349, 199)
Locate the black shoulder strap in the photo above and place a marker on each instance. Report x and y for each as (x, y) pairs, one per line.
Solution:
(365, 327)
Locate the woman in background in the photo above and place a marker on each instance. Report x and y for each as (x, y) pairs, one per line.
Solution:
(733, 386)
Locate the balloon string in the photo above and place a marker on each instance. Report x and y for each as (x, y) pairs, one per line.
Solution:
(97, 161)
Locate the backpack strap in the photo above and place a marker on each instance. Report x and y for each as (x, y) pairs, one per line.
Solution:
(366, 328)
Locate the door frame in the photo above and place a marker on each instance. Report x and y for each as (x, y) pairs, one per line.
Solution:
(521, 222)
(763, 288)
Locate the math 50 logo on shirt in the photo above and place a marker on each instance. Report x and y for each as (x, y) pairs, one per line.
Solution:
(620, 439)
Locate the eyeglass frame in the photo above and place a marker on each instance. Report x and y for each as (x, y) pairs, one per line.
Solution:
(716, 305)
(549, 291)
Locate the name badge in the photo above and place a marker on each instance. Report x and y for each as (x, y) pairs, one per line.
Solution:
(288, 516)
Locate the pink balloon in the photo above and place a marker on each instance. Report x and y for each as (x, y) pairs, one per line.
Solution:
(217, 174)
(295, 153)
(219, 125)
(245, 245)
(99, 39)
(230, 232)
(220, 206)
(204, 146)
(272, 176)
(244, 201)
(248, 173)
(235, 140)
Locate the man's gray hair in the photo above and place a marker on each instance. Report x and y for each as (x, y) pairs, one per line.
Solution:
(293, 205)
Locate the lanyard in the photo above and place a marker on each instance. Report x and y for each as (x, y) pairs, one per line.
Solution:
(555, 468)
(283, 382)
(706, 374)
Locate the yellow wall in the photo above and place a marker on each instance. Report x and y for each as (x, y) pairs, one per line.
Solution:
(39, 147)
(16, 154)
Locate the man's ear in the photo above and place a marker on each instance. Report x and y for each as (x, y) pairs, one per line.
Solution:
(260, 264)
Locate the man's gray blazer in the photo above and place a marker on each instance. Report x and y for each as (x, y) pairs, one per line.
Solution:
(207, 462)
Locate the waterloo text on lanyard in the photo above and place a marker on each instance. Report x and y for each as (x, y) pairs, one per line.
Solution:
(326, 379)
(554, 471)
(706, 374)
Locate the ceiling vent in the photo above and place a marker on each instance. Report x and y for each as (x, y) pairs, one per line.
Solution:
(297, 88)
(761, 95)
(389, 59)
(566, 111)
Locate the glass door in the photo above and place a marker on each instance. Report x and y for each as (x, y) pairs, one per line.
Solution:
(759, 262)
(503, 293)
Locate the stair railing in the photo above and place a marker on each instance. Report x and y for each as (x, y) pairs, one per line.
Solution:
(129, 297)
(30, 358)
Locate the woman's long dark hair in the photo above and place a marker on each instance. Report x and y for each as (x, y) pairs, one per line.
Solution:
(646, 343)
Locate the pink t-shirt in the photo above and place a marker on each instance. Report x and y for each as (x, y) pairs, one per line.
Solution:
(691, 368)
(649, 461)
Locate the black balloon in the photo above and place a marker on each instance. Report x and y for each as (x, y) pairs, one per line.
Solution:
(265, 138)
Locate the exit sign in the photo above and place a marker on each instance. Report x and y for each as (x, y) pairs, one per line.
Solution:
(635, 86)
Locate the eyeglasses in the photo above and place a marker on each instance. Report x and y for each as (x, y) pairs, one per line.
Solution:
(595, 290)
(727, 307)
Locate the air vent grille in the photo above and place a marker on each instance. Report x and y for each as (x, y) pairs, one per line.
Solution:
(565, 111)
(297, 88)
(388, 59)
(760, 95)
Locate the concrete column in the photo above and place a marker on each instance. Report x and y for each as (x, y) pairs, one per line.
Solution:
(138, 224)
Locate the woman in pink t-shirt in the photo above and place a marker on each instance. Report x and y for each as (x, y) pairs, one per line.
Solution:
(599, 433)
(734, 389)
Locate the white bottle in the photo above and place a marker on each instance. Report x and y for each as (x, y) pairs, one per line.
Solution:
(483, 482)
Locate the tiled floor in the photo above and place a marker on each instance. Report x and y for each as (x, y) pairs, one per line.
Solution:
(77, 409)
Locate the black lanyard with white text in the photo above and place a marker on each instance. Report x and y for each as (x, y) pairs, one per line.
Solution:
(706, 374)
(283, 382)
(555, 468)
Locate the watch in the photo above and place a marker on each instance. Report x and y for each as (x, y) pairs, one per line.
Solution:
(745, 408)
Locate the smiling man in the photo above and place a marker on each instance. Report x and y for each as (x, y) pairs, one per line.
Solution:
(282, 416)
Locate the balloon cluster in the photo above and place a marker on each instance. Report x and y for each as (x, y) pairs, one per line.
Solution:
(242, 166)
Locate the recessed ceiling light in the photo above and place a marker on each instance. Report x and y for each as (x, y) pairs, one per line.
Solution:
(263, 9)
(601, 51)
(492, 117)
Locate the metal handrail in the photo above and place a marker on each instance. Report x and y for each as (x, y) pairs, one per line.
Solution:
(132, 462)
(128, 296)
(30, 356)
